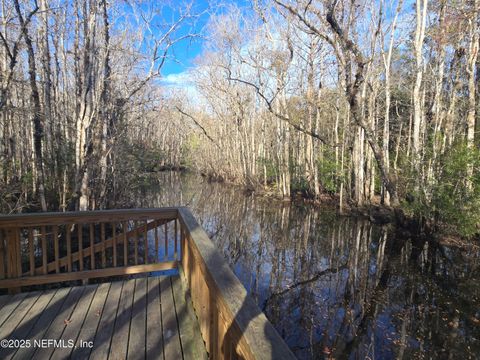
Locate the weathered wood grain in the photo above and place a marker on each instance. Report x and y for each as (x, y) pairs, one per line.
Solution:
(171, 338)
(154, 334)
(136, 341)
(107, 322)
(119, 346)
(190, 336)
(90, 325)
(74, 324)
(43, 323)
(83, 217)
(87, 274)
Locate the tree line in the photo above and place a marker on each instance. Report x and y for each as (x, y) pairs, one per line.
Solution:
(77, 97)
(370, 101)
(366, 101)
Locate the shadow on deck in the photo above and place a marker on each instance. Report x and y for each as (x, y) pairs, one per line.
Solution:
(148, 317)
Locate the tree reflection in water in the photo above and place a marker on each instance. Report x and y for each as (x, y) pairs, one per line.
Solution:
(337, 287)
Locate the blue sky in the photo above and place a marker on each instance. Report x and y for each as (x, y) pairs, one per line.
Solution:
(184, 52)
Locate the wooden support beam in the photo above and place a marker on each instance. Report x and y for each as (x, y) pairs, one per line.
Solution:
(56, 250)
(80, 245)
(13, 259)
(114, 243)
(102, 236)
(31, 251)
(145, 243)
(91, 249)
(166, 242)
(69, 247)
(2, 255)
(135, 243)
(86, 274)
(156, 240)
(176, 241)
(43, 235)
(85, 217)
(125, 243)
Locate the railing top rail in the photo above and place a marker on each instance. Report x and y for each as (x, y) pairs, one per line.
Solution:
(75, 217)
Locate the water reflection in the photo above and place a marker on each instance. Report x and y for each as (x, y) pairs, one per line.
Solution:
(337, 287)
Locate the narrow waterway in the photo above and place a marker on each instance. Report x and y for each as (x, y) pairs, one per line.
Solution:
(336, 287)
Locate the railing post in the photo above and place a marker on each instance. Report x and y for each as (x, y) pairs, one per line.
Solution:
(14, 266)
(2, 255)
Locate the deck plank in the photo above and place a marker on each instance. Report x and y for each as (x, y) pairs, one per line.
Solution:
(57, 326)
(154, 346)
(18, 314)
(171, 338)
(190, 335)
(90, 325)
(107, 322)
(148, 317)
(27, 323)
(12, 301)
(119, 346)
(43, 323)
(136, 341)
(4, 299)
(74, 324)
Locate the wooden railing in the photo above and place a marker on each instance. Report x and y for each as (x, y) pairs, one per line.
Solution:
(231, 323)
(54, 247)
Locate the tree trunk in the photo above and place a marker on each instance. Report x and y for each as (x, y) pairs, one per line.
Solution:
(37, 120)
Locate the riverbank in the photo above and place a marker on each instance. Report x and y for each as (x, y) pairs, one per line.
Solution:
(404, 221)
(376, 212)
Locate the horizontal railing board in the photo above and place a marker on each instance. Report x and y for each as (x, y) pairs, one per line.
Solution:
(87, 274)
(79, 217)
(262, 340)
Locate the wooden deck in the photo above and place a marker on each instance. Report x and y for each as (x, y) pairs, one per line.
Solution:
(143, 318)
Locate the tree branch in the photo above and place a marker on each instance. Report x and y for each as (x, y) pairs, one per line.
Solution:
(198, 124)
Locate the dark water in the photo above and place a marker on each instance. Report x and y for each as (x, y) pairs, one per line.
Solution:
(337, 287)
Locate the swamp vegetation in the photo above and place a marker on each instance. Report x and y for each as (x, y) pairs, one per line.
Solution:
(370, 107)
(361, 103)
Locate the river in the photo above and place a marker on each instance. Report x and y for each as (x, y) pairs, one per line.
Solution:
(336, 287)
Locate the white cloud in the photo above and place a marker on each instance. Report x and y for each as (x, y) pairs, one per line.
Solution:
(183, 79)
(181, 85)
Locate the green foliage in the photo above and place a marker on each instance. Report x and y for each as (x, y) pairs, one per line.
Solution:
(189, 149)
(145, 159)
(299, 185)
(452, 200)
(328, 173)
(27, 178)
(270, 167)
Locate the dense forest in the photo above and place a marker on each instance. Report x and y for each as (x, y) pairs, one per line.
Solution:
(364, 102)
